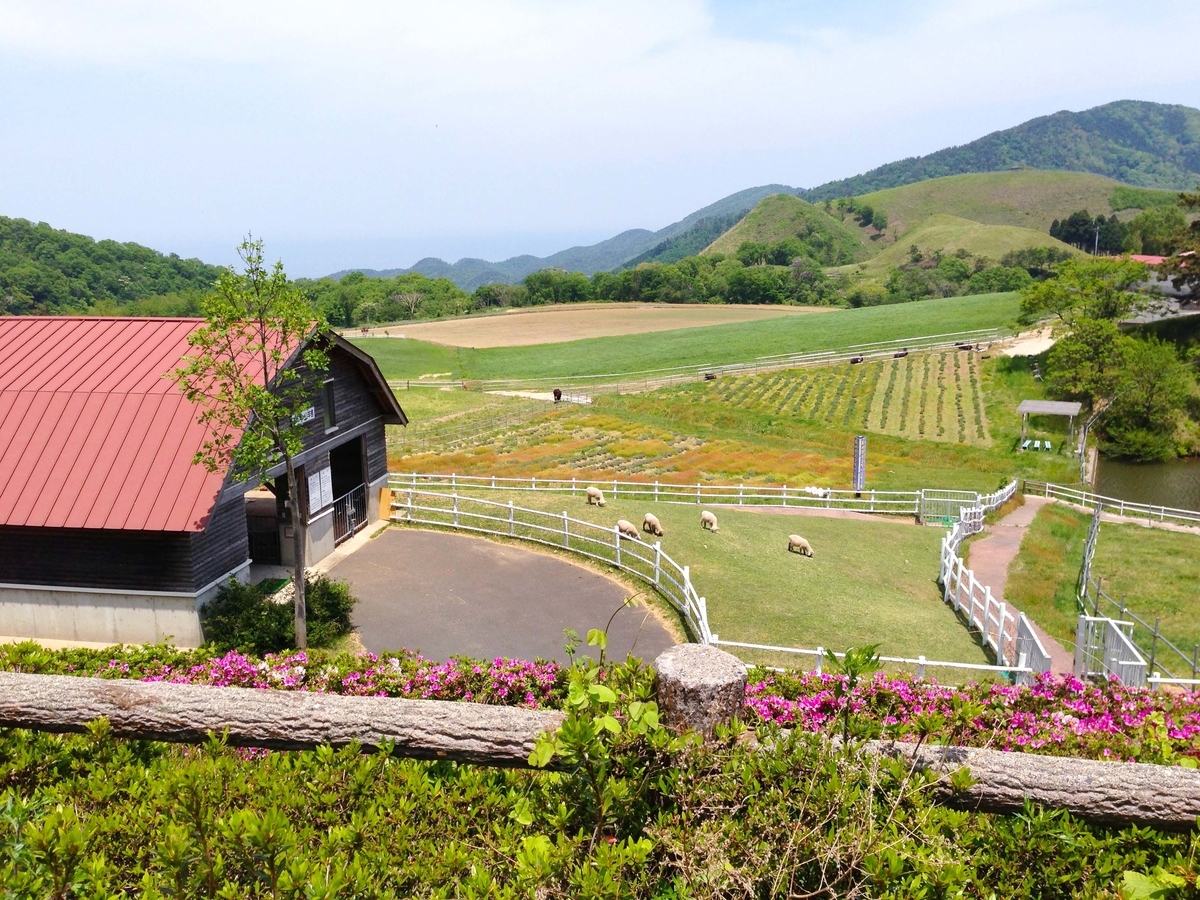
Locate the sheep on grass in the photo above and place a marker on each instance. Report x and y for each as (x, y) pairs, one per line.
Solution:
(797, 544)
(626, 528)
(651, 524)
(708, 520)
(595, 496)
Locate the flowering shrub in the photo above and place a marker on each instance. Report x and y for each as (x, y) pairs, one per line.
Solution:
(1059, 716)
(501, 681)
(509, 682)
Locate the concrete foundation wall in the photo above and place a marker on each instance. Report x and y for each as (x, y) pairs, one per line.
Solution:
(109, 617)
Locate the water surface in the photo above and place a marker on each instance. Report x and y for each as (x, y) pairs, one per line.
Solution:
(1175, 483)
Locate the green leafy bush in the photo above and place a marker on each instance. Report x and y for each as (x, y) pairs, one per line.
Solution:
(242, 617)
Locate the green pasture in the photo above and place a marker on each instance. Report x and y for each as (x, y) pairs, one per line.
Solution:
(717, 344)
(869, 581)
(425, 406)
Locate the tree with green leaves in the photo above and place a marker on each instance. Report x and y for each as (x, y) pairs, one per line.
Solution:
(1086, 288)
(251, 373)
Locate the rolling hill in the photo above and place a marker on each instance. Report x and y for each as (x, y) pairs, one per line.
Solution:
(783, 216)
(1028, 199)
(1145, 144)
(951, 233)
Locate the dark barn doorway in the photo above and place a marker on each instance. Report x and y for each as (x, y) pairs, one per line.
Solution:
(347, 466)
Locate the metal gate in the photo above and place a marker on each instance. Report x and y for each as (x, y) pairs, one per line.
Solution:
(945, 507)
(264, 540)
(349, 513)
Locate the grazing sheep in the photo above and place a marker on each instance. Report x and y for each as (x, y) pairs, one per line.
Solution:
(651, 524)
(816, 492)
(595, 495)
(708, 520)
(799, 545)
(626, 528)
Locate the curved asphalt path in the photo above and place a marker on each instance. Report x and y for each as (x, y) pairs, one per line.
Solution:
(449, 595)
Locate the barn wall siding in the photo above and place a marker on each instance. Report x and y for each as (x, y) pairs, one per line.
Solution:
(222, 546)
(82, 557)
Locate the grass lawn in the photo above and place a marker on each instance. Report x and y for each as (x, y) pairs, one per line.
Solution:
(407, 359)
(869, 582)
(1157, 573)
(425, 406)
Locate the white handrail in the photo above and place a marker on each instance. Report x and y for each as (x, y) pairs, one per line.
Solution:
(1114, 505)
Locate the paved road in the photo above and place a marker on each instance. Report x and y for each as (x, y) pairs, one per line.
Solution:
(449, 594)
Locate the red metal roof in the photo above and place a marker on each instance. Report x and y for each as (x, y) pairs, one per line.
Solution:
(93, 432)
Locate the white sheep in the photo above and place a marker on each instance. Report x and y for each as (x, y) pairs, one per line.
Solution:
(651, 524)
(816, 492)
(708, 520)
(626, 528)
(799, 545)
(595, 496)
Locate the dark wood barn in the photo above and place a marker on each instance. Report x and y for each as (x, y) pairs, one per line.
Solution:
(108, 532)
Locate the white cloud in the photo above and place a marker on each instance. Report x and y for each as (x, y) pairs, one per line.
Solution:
(327, 120)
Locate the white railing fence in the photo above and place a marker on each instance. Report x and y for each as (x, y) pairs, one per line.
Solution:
(1030, 650)
(1114, 505)
(928, 505)
(648, 562)
(998, 628)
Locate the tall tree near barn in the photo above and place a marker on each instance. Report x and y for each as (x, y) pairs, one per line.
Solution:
(243, 375)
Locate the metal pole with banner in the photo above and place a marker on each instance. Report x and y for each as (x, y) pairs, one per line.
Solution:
(860, 464)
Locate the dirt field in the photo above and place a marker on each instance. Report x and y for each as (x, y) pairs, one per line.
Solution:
(554, 324)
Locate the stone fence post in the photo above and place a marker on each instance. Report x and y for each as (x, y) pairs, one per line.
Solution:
(699, 687)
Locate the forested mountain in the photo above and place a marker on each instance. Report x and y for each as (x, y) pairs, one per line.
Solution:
(47, 271)
(1145, 144)
(817, 235)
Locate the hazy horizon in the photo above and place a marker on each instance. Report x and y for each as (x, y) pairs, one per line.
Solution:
(371, 135)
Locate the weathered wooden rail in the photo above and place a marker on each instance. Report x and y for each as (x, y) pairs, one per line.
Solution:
(699, 686)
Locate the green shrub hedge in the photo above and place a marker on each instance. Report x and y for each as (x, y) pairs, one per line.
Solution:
(243, 617)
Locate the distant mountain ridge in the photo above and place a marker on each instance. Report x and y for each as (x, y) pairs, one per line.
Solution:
(469, 274)
(1152, 145)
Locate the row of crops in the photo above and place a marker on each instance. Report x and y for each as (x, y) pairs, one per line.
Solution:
(926, 396)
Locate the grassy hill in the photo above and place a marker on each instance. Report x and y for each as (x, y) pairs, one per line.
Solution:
(783, 216)
(1145, 144)
(951, 233)
(1027, 199)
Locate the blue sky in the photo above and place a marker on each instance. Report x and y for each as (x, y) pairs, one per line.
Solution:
(372, 134)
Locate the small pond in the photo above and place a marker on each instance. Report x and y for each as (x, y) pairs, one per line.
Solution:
(1175, 483)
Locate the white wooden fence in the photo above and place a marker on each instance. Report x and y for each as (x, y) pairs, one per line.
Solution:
(1119, 507)
(928, 505)
(648, 562)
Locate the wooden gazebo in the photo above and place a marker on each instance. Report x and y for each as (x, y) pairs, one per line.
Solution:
(1070, 409)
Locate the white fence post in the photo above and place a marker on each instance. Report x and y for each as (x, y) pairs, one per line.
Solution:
(493, 482)
(921, 667)
(456, 510)
(657, 562)
(697, 493)
(511, 523)
(617, 544)
(820, 660)
(566, 531)
(656, 492)
(741, 492)
(785, 495)
(453, 484)
(410, 493)
(1000, 629)
(614, 490)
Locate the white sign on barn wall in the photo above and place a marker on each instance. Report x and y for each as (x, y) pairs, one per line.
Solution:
(305, 415)
(320, 490)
